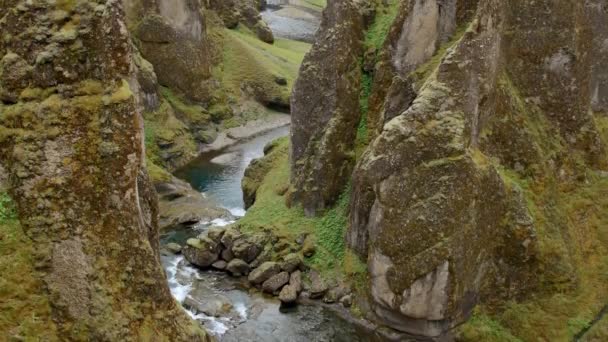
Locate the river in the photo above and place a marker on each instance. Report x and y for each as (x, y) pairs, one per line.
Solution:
(242, 314)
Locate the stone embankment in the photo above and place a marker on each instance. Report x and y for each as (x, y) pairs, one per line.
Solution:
(272, 265)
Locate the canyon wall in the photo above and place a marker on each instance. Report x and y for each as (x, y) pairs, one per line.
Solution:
(325, 109)
(71, 135)
(486, 155)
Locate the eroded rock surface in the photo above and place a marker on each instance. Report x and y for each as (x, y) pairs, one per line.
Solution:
(437, 209)
(246, 12)
(72, 144)
(325, 109)
(172, 36)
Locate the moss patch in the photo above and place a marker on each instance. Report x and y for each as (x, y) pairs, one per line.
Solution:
(25, 313)
(386, 12)
(483, 328)
(570, 211)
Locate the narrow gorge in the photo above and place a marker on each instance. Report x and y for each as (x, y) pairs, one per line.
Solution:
(304, 170)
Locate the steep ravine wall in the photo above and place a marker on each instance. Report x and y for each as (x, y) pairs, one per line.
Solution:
(71, 137)
(483, 182)
(325, 109)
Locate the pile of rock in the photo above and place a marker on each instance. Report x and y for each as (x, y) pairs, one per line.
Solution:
(229, 250)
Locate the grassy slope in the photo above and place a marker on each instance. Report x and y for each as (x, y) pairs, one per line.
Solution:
(271, 212)
(24, 310)
(247, 61)
(243, 61)
(318, 5)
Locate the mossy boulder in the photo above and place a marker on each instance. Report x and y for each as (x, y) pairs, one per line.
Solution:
(202, 251)
(264, 272)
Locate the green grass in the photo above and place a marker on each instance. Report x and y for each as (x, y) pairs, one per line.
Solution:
(162, 126)
(362, 139)
(7, 208)
(385, 15)
(251, 63)
(598, 332)
(25, 313)
(270, 211)
(193, 114)
(483, 328)
(374, 39)
(318, 5)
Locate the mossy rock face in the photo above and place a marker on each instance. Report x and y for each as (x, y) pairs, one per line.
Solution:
(325, 109)
(408, 35)
(257, 171)
(246, 12)
(72, 145)
(172, 36)
(471, 194)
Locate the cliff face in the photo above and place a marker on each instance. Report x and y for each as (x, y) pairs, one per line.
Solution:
(71, 136)
(246, 12)
(325, 109)
(488, 122)
(172, 36)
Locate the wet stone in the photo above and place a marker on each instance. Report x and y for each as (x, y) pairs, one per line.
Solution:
(276, 282)
(237, 267)
(288, 294)
(265, 271)
(220, 265)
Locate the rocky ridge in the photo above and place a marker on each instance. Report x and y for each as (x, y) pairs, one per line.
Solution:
(486, 130)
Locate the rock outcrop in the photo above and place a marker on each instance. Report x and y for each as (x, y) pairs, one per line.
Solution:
(438, 209)
(485, 120)
(325, 109)
(180, 205)
(246, 12)
(420, 29)
(172, 36)
(72, 143)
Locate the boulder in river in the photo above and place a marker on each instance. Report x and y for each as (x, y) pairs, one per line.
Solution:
(289, 294)
(295, 280)
(266, 255)
(230, 236)
(219, 265)
(215, 233)
(215, 305)
(276, 282)
(227, 255)
(174, 248)
(334, 294)
(201, 252)
(238, 267)
(347, 301)
(265, 271)
(248, 248)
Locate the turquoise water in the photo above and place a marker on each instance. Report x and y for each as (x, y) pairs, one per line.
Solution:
(219, 174)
